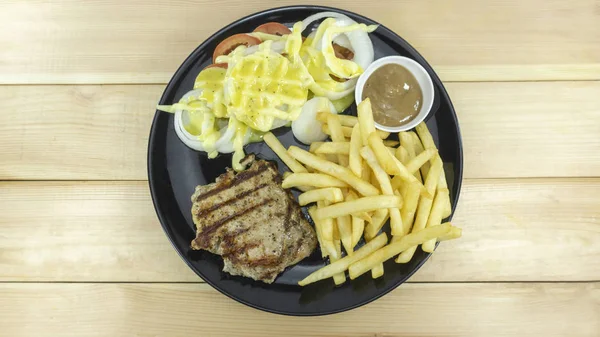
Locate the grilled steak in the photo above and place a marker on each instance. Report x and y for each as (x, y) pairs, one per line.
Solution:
(250, 220)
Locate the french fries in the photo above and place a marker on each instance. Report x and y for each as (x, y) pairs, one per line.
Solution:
(301, 188)
(330, 148)
(411, 201)
(418, 149)
(311, 179)
(345, 120)
(389, 162)
(359, 180)
(385, 186)
(354, 160)
(347, 132)
(281, 152)
(335, 130)
(435, 217)
(327, 227)
(415, 164)
(364, 204)
(428, 143)
(342, 264)
(365, 120)
(358, 224)
(407, 142)
(379, 219)
(331, 194)
(445, 231)
(344, 224)
(424, 207)
(342, 173)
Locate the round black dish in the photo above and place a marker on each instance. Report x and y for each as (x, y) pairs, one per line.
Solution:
(175, 170)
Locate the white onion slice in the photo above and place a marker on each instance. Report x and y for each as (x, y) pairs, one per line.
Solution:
(322, 15)
(187, 138)
(360, 44)
(182, 118)
(306, 128)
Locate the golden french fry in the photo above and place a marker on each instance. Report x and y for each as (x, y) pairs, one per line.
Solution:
(411, 200)
(366, 172)
(377, 271)
(358, 224)
(391, 143)
(358, 227)
(330, 148)
(379, 219)
(354, 160)
(365, 120)
(425, 136)
(342, 264)
(390, 163)
(319, 231)
(428, 143)
(363, 215)
(415, 163)
(347, 131)
(361, 266)
(338, 278)
(424, 207)
(386, 187)
(340, 172)
(402, 155)
(345, 120)
(364, 204)
(311, 179)
(408, 143)
(327, 225)
(335, 130)
(435, 217)
(301, 188)
(344, 225)
(281, 152)
(418, 149)
(331, 194)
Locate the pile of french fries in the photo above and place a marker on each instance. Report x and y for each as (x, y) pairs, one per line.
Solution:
(358, 181)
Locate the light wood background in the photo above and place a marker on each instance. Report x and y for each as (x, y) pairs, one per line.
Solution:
(82, 252)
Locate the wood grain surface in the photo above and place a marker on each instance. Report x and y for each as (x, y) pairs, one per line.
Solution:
(514, 230)
(144, 41)
(413, 310)
(82, 252)
(509, 129)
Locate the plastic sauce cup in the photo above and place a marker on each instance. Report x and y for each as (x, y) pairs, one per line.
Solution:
(420, 75)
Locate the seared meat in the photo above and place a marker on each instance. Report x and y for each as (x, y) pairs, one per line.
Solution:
(250, 220)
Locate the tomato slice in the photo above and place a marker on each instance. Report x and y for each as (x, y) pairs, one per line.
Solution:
(273, 28)
(217, 65)
(342, 52)
(229, 44)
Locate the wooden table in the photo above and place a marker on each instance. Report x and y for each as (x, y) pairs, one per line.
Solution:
(82, 252)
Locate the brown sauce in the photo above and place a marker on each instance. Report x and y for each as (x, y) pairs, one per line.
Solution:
(395, 94)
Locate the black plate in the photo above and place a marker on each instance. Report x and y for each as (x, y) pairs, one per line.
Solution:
(175, 170)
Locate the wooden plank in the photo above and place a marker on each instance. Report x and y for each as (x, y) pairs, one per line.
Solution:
(548, 129)
(144, 41)
(412, 310)
(514, 230)
(75, 132)
(513, 129)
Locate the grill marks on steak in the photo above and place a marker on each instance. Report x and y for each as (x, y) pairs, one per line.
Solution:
(250, 220)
